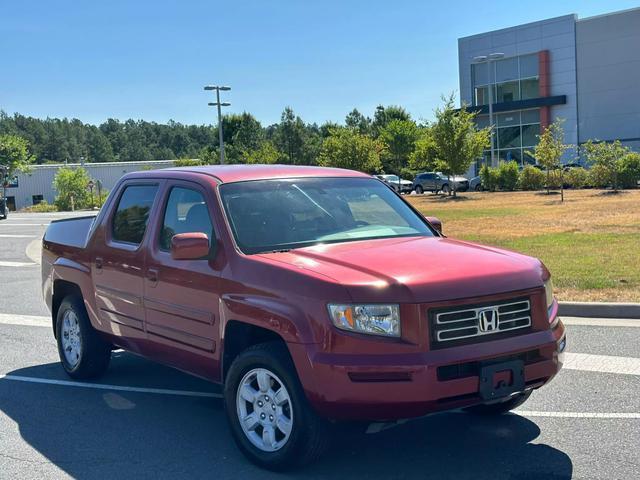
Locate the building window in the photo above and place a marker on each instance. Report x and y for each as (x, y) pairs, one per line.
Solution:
(514, 78)
(36, 199)
(529, 88)
(508, 92)
(11, 203)
(516, 135)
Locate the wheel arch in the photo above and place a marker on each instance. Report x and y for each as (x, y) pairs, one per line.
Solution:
(239, 335)
(61, 290)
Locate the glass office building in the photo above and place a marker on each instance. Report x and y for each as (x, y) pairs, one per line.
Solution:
(583, 71)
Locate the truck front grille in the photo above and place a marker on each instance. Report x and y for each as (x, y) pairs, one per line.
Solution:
(479, 322)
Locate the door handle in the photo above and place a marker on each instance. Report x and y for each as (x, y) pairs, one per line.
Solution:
(152, 276)
(98, 264)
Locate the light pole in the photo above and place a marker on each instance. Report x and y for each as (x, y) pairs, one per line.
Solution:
(489, 60)
(218, 104)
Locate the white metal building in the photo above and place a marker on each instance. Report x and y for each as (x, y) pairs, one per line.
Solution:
(37, 185)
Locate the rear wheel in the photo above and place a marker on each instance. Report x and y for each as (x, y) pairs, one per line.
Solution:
(502, 407)
(83, 353)
(270, 417)
(419, 189)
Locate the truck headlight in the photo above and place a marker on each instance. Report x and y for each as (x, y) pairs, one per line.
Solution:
(372, 319)
(548, 291)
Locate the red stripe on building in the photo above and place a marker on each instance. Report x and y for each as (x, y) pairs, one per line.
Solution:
(544, 87)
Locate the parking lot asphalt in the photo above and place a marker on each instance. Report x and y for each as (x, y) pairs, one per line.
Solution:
(144, 420)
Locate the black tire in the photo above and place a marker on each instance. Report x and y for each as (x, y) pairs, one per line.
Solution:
(478, 188)
(445, 189)
(419, 190)
(502, 407)
(94, 353)
(309, 433)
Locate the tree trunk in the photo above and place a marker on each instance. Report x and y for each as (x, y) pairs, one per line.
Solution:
(548, 180)
(561, 184)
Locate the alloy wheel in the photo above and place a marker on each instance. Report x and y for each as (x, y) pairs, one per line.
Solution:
(264, 409)
(71, 339)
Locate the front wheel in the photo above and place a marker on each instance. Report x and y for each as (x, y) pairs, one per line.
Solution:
(502, 407)
(419, 190)
(446, 189)
(269, 415)
(83, 353)
(478, 188)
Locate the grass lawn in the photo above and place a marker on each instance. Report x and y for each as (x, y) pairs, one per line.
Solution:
(590, 243)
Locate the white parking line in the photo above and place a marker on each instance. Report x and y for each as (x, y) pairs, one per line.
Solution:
(530, 413)
(17, 236)
(102, 386)
(25, 320)
(16, 264)
(24, 224)
(587, 362)
(190, 393)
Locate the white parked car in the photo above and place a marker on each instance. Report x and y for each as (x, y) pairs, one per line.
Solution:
(404, 186)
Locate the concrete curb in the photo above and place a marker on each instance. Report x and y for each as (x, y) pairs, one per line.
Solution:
(600, 310)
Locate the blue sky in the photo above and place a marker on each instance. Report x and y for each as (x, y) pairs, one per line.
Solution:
(149, 59)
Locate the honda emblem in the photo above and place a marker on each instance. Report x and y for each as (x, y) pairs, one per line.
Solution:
(488, 320)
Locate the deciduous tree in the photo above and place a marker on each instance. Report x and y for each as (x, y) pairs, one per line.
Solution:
(71, 187)
(457, 141)
(399, 137)
(609, 158)
(14, 154)
(346, 148)
(550, 149)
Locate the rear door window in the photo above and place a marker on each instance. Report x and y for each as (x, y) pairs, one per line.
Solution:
(132, 213)
(186, 212)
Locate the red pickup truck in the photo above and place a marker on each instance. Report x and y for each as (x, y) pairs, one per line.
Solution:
(313, 295)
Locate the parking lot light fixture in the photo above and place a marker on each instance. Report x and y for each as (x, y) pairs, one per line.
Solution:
(219, 104)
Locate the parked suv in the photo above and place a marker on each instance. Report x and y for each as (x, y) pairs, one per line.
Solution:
(437, 182)
(312, 295)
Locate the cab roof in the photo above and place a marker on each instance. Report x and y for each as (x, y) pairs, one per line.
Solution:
(239, 173)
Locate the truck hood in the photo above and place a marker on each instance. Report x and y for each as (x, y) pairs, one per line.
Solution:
(416, 269)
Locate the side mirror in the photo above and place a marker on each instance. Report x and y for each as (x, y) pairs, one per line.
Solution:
(189, 246)
(435, 223)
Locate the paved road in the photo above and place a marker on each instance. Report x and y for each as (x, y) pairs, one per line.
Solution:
(143, 420)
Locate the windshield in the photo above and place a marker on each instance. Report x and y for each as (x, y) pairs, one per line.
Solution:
(275, 215)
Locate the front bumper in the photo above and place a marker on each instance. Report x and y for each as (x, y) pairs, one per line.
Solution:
(391, 387)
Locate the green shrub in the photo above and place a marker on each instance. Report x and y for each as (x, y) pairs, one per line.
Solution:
(531, 178)
(599, 177)
(508, 176)
(41, 207)
(489, 178)
(630, 170)
(188, 162)
(576, 177)
(71, 187)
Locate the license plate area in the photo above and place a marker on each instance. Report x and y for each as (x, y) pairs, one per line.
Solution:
(499, 380)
